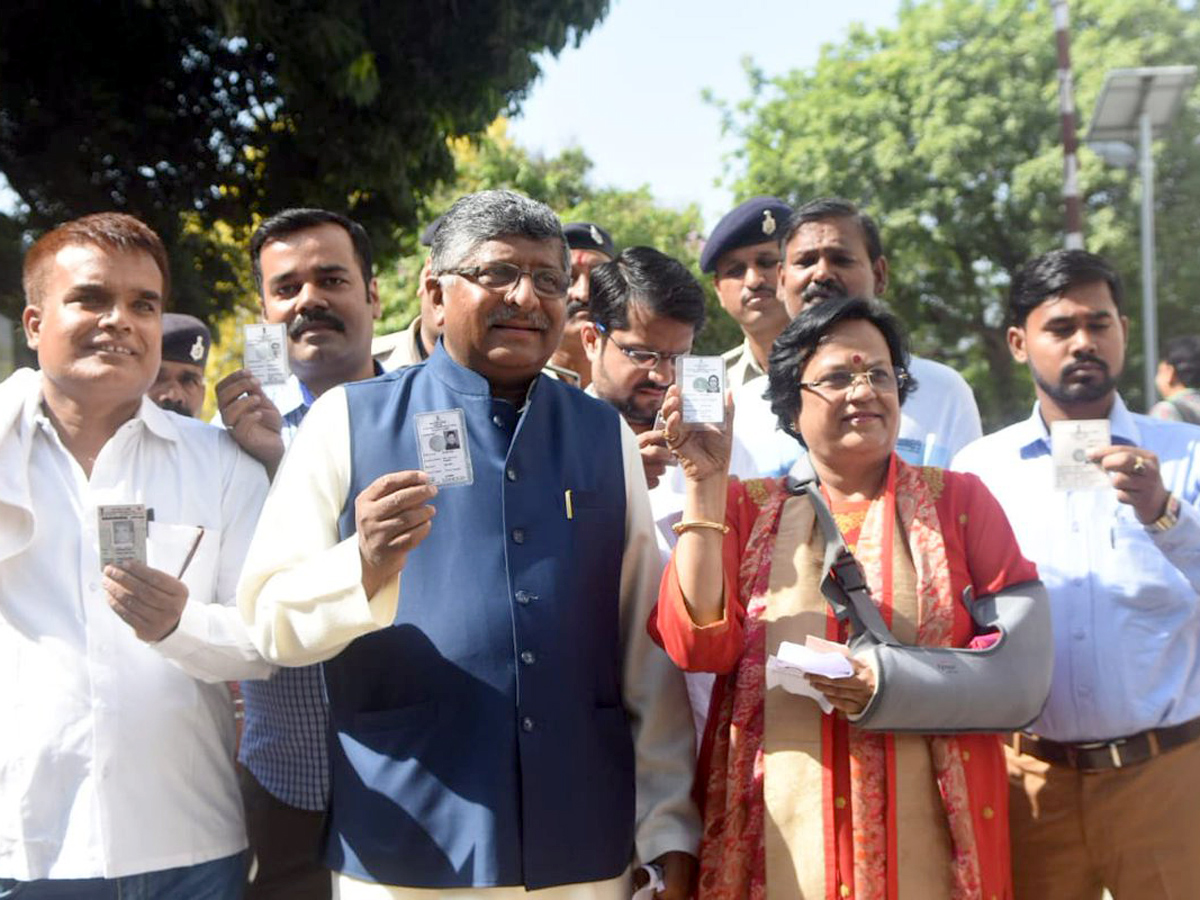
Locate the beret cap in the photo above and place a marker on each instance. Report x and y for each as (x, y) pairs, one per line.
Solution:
(756, 221)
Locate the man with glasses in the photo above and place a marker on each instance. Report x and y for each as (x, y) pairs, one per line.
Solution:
(645, 310)
(501, 721)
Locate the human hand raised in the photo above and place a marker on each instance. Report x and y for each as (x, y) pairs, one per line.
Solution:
(1136, 477)
(251, 418)
(392, 515)
(149, 601)
(703, 450)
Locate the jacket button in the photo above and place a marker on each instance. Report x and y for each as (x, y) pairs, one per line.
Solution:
(510, 473)
(523, 597)
(498, 421)
(527, 657)
(518, 535)
(527, 724)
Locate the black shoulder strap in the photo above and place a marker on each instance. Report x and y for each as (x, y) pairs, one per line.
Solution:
(844, 584)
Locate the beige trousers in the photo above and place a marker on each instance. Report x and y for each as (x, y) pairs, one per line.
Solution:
(1135, 831)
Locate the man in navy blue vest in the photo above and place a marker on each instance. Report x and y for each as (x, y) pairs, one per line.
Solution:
(500, 720)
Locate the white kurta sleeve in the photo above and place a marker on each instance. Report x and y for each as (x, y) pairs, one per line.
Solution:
(654, 692)
(211, 642)
(301, 589)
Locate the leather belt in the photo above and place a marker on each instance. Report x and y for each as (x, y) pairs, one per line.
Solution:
(1100, 756)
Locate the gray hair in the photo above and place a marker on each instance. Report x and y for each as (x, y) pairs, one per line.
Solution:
(485, 216)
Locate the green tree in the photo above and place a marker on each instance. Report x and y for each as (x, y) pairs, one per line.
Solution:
(632, 216)
(946, 128)
(224, 109)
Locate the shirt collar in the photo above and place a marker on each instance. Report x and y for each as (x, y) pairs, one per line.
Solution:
(463, 380)
(157, 421)
(1033, 435)
(294, 394)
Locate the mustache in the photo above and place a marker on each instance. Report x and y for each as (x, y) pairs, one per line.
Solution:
(822, 289)
(764, 292)
(175, 406)
(312, 317)
(1082, 359)
(506, 313)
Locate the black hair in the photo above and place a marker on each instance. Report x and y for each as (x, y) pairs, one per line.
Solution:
(290, 221)
(653, 280)
(804, 335)
(1050, 274)
(1183, 355)
(824, 208)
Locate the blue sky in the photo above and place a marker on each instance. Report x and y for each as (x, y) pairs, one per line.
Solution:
(630, 95)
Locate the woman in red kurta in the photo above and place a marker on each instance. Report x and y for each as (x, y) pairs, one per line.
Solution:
(796, 803)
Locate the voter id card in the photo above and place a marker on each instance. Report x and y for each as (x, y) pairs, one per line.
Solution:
(265, 353)
(442, 447)
(1070, 442)
(122, 531)
(701, 382)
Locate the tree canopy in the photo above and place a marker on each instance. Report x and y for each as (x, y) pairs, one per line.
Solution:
(220, 110)
(946, 129)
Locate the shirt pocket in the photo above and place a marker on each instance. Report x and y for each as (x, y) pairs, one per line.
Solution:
(190, 549)
(1143, 579)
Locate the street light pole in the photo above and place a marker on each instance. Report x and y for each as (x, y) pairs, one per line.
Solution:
(1149, 297)
(1138, 105)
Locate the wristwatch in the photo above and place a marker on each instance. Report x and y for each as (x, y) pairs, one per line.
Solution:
(1169, 517)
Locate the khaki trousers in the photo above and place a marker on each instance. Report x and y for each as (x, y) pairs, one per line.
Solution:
(1135, 831)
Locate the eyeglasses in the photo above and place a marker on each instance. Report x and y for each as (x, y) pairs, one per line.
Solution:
(880, 380)
(643, 359)
(551, 284)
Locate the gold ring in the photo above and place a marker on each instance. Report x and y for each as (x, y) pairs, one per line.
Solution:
(1139, 466)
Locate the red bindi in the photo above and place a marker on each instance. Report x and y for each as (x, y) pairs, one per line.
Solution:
(857, 359)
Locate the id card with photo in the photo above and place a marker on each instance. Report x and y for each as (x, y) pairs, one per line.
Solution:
(265, 353)
(443, 448)
(122, 531)
(702, 387)
(1070, 441)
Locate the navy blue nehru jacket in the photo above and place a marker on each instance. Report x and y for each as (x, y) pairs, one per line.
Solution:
(481, 739)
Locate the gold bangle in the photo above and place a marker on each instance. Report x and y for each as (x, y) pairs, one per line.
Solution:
(681, 527)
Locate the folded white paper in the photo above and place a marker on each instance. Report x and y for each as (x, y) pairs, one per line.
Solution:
(793, 661)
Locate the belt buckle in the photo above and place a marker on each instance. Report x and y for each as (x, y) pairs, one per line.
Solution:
(1114, 753)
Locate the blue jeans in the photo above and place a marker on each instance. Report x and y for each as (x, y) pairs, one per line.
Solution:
(221, 879)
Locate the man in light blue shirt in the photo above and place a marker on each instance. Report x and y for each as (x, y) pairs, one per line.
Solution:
(1103, 781)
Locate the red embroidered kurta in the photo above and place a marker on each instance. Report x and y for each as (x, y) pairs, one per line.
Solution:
(980, 553)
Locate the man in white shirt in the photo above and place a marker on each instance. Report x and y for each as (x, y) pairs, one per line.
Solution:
(116, 768)
(830, 247)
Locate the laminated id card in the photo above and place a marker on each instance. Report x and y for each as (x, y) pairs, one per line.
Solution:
(122, 531)
(1070, 441)
(265, 353)
(702, 387)
(443, 449)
